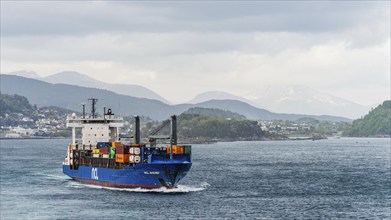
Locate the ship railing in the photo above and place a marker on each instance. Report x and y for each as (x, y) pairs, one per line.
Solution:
(79, 146)
(100, 118)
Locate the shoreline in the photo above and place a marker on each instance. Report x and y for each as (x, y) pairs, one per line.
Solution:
(31, 138)
(211, 141)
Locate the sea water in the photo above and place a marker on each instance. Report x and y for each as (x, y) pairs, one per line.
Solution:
(347, 178)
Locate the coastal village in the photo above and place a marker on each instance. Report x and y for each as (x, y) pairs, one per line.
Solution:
(51, 123)
(45, 122)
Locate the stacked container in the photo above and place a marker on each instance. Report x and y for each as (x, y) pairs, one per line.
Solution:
(135, 152)
(187, 149)
(175, 149)
(122, 153)
(104, 150)
(116, 144)
(102, 144)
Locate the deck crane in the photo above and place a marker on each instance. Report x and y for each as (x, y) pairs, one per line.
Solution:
(173, 136)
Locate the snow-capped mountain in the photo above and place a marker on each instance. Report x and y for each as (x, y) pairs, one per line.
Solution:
(293, 100)
(305, 100)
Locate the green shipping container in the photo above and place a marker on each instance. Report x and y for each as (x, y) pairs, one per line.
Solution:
(187, 149)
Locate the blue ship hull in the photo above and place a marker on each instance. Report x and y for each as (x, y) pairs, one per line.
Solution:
(148, 176)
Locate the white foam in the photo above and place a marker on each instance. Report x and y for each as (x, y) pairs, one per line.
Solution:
(56, 177)
(179, 189)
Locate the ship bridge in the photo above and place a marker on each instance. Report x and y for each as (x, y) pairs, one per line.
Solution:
(94, 128)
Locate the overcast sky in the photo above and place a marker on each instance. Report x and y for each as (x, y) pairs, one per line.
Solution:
(180, 49)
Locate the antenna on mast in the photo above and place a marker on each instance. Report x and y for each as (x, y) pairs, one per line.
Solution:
(93, 103)
(84, 110)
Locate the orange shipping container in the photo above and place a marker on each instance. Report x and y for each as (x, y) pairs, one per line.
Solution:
(115, 144)
(122, 158)
(138, 145)
(175, 149)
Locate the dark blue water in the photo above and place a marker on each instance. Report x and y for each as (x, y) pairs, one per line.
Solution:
(328, 179)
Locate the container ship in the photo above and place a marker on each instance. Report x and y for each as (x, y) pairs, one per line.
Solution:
(102, 159)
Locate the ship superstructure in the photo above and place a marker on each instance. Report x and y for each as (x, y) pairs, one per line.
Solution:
(102, 159)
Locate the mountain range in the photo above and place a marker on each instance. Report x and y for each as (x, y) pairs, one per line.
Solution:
(292, 99)
(78, 79)
(283, 99)
(68, 96)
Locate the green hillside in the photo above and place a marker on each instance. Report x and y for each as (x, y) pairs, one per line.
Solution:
(14, 104)
(376, 123)
(203, 127)
(214, 113)
(16, 111)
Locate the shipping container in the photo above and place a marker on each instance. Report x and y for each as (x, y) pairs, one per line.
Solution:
(138, 145)
(175, 149)
(137, 159)
(122, 158)
(187, 149)
(104, 150)
(116, 144)
(103, 144)
(122, 149)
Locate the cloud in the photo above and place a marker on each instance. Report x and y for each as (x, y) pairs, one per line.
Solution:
(230, 46)
(83, 18)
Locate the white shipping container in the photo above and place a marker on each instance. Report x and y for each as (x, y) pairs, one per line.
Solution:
(131, 158)
(137, 159)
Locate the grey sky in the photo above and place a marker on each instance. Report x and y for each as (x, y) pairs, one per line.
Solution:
(180, 49)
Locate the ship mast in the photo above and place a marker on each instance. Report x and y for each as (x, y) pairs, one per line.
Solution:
(93, 103)
(173, 136)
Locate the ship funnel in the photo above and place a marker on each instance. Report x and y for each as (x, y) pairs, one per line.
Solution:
(174, 138)
(136, 129)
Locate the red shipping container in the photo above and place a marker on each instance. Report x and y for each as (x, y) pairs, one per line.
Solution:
(104, 150)
(122, 149)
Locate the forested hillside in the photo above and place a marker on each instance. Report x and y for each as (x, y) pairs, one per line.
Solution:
(376, 123)
(214, 113)
(14, 104)
(17, 115)
(196, 126)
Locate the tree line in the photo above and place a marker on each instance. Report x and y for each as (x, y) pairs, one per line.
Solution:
(198, 126)
(376, 123)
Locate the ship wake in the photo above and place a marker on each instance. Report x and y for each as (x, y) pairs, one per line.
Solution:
(180, 189)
